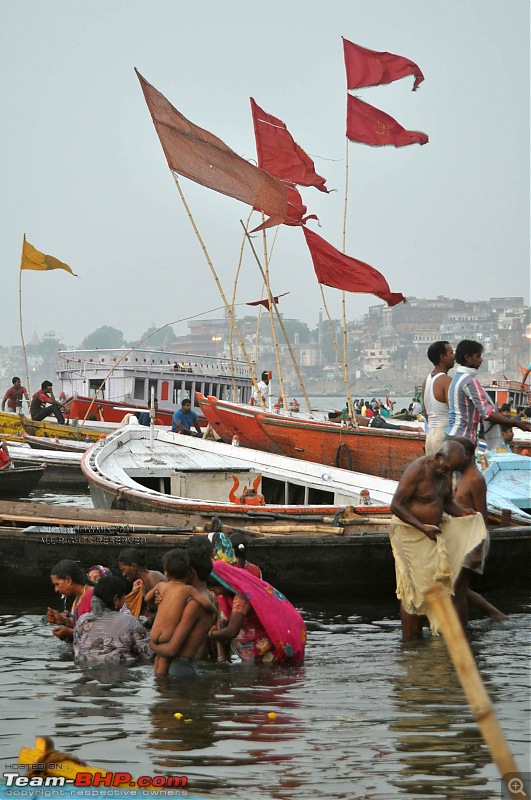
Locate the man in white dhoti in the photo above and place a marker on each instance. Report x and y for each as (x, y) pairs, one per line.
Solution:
(430, 534)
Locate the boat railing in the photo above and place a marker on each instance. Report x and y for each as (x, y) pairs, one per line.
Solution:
(151, 361)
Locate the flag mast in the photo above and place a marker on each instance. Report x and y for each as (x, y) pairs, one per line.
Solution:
(273, 304)
(220, 289)
(20, 321)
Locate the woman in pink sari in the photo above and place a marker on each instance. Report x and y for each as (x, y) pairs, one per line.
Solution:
(263, 625)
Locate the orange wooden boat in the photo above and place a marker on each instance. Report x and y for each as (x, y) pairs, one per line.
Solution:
(231, 419)
(372, 451)
(375, 452)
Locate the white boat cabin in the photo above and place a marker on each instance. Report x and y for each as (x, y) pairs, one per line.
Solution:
(129, 377)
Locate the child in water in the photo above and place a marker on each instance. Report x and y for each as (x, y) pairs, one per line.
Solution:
(174, 594)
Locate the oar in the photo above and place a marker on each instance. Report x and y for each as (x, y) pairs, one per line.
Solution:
(441, 604)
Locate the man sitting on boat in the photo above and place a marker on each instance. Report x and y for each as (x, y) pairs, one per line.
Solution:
(184, 418)
(145, 417)
(428, 545)
(43, 404)
(5, 458)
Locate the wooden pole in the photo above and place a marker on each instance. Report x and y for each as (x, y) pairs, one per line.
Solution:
(232, 318)
(220, 289)
(21, 330)
(350, 404)
(343, 299)
(441, 604)
(265, 274)
(284, 332)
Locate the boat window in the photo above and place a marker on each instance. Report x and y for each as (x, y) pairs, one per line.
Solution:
(138, 393)
(273, 490)
(157, 483)
(320, 497)
(177, 393)
(94, 385)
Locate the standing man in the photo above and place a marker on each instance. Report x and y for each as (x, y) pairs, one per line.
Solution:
(184, 418)
(435, 393)
(526, 374)
(262, 393)
(467, 399)
(14, 396)
(427, 547)
(43, 404)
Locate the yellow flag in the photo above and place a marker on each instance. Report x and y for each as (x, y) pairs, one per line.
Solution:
(34, 259)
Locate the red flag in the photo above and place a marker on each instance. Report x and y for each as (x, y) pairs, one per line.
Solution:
(279, 154)
(295, 214)
(369, 125)
(202, 157)
(265, 303)
(343, 272)
(370, 68)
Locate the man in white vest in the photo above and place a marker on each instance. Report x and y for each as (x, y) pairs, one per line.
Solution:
(435, 393)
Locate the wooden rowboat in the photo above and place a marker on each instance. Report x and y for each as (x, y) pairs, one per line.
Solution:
(198, 479)
(19, 481)
(347, 565)
(380, 452)
(54, 443)
(13, 427)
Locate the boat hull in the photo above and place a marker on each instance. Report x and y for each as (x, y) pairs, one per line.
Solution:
(230, 419)
(346, 567)
(20, 481)
(374, 452)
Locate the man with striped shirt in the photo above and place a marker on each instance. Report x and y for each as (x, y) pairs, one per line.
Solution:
(467, 399)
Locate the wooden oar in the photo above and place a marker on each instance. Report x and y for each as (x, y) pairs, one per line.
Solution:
(441, 604)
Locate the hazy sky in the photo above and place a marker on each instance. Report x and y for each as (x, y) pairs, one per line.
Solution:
(85, 178)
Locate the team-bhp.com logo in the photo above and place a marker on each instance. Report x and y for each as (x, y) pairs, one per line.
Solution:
(95, 779)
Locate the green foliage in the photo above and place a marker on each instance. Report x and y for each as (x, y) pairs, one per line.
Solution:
(103, 338)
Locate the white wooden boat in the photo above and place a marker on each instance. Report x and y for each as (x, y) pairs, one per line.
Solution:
(508, 479)
(63, 469)
(199, 478)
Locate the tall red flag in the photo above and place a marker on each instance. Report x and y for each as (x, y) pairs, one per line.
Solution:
(279, 154)
(370, 68)
(199, 155)
(343, 272)
(369, 125)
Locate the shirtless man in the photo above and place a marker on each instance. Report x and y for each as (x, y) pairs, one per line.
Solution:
(435, 393)
(423, 495)
(174, 593)
(132, 564)
(471, 492)
(191, 630)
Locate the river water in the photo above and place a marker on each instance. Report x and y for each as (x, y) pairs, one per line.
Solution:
(367, 716)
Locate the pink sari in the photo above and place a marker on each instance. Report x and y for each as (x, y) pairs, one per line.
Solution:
(281, 622)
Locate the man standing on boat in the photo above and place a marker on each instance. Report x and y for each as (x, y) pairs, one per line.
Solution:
(262, 392)
(435, 393)
(14, 396)
(467, 399)
(184, 418)
(44, 404)
(428, 545)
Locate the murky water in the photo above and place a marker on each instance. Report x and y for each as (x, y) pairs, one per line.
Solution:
(367, 716)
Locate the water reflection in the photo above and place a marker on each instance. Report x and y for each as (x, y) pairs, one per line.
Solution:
(225, 734)
(440, 747)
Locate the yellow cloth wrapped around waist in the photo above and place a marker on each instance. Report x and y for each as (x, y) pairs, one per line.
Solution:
(420, 562)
